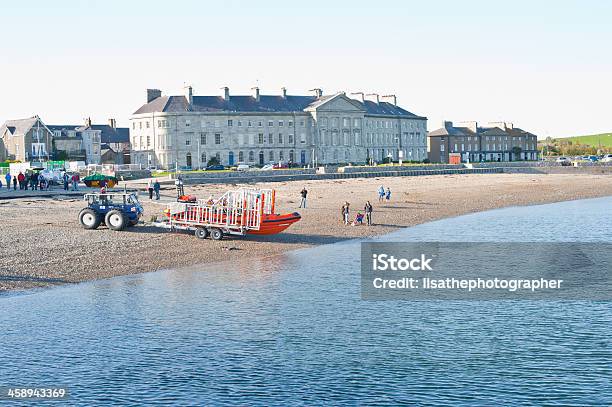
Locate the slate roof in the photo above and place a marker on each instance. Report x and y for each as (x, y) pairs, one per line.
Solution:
(19, 126)
(481, 131)
(107, 133)
(266, 104)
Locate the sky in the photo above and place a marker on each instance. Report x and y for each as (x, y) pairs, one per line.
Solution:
(544, 65)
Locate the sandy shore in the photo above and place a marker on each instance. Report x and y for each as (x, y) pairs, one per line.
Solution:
(43, 243)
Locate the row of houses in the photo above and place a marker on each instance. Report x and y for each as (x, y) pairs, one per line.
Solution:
(31, 139)
(187, 131)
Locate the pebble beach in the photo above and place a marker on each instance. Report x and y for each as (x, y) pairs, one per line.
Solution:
(43, 243)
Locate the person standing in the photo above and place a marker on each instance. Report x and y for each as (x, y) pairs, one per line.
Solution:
(346, 212)
(21, 178)
(14, 183)
(388, 195)
(150, 188)
(381, 193)
(156, 187)
(75, 181)
(304, 193)
(368, 212)
(66, 179)
(7, 177)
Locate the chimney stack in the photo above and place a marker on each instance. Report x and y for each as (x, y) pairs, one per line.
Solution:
(189, 94)
(226, 94)
(88, 122)
(112, 123)
(392, 97)
(284, 90)
(256, 89)
(447, 124)
(362, 98)
(318, 92)
(153, 94)
(377, 97)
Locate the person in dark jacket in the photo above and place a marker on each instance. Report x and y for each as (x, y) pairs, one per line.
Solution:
(156, 188)
(14, 183)
(303, 193)
(368, 213)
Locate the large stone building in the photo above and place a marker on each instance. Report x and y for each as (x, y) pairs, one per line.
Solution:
(258, 129)
(498, 141)
(25, 140)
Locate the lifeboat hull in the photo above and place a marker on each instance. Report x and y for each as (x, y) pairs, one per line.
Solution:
(273, 223)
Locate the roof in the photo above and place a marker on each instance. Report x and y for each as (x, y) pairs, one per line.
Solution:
(481, 131)
(266, 104)
(19, 126)
(108, 134)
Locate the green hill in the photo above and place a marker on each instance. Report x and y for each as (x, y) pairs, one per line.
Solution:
(594, 140)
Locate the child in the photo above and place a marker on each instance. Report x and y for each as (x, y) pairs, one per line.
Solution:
(358, 219)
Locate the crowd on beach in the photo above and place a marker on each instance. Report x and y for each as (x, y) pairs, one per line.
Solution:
(37, 182)
(345, 210)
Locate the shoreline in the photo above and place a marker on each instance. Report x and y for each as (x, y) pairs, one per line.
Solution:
(54, 250)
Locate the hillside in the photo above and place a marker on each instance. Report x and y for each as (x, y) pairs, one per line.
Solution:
(594, 140)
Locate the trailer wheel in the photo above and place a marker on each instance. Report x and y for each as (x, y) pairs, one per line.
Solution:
(89, 218)
(201, 233)
(116, 220)
(216, 234)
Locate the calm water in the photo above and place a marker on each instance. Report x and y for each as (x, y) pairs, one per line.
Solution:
(292, 329)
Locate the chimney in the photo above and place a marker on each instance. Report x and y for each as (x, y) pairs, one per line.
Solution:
(153, 94)
(447, 124)
(189, 94)
(377, 97)
(393, 97)
(88, 122)
(284, 90)
(256, 89)
(318, 92)
(361, 94)
(226, 95)
(112, 123)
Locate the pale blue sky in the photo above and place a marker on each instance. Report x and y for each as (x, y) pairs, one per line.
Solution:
(544, 65)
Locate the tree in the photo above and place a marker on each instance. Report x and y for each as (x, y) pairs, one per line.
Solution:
(213, 161)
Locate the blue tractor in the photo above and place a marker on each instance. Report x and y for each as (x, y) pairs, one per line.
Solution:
(117, 210)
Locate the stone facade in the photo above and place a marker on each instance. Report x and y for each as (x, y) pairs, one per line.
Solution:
(306, 130)
(25, 140)
(499, 141)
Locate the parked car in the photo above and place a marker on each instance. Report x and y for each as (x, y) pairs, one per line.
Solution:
(565, 161)
(216, 167)
(607, 158)
(242, 167)
(592, 158)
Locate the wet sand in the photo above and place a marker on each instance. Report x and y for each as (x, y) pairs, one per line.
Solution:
(43, 243)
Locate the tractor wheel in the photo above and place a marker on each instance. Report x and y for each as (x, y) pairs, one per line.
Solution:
(89, 219)
(116, 220)
(201, 233)
(216, 234)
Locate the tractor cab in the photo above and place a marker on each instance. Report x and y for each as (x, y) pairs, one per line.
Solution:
(116, 209)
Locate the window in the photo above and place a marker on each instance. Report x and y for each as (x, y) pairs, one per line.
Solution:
(216, 123)
(239, 123)
(324, 122)
(230, 123)
(187, 123)
(301, 123)
(357, 123)
(291, 139)
(203, 138)
(260, 138)
(280, 123)
(140, 125)
(270, 123)
(462, 147)
(271, 155)
(260, 124)
(441, 147)
(290, 123)
(203, 157)
(270, 138)
(148, 124)
(345, 122)
(249, 124)
(148, 141)
(280, 138)
(251, 156)
(240, 156)
(281, 155)
(217, 138)
(455, 148)
(188, 142)
(303, 138)
(133, 125)
(335, 122)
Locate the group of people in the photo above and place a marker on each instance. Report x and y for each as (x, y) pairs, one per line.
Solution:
(346, 214)
(384, 194)
(36, 181)
(153, 187)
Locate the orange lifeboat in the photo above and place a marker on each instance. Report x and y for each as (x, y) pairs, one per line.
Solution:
(272, 224)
